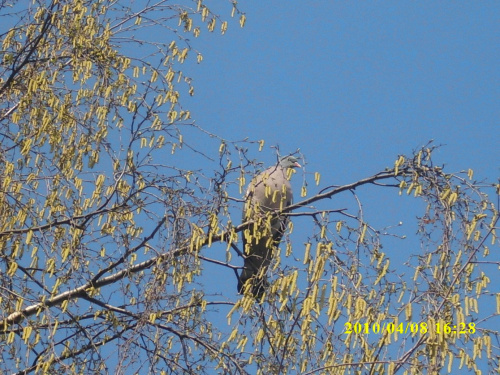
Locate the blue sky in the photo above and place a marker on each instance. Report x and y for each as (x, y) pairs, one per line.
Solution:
(354, 84)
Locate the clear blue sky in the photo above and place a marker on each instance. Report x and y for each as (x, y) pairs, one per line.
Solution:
(354, 84)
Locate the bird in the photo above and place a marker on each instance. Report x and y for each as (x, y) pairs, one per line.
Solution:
(268, 193)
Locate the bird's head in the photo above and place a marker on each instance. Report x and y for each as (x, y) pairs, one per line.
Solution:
(289, 162)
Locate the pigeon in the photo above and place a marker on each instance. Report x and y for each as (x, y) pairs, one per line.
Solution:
(268, 194)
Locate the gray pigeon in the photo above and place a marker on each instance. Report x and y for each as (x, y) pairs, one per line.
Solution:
(268, 193)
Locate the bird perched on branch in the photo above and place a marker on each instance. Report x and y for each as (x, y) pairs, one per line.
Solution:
(268, 193)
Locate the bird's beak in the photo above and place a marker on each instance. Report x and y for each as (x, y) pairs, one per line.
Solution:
(297, 165)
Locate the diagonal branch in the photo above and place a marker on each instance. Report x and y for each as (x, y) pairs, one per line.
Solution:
(32, 46)
(99, 281)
